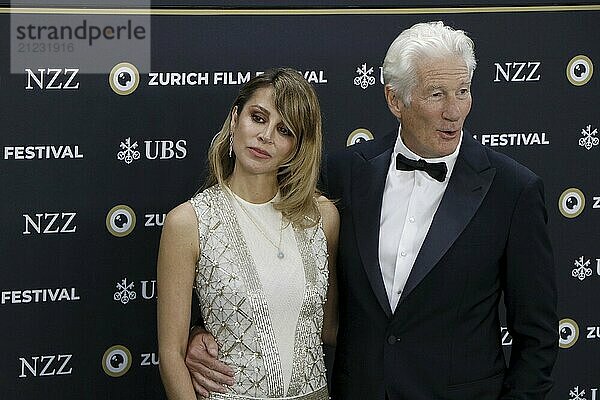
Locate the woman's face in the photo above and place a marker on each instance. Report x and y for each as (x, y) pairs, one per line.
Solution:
(261, 141)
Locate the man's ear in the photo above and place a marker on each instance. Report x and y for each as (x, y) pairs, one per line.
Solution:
(394, 102)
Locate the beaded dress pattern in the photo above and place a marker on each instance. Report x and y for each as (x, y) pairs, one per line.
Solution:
(235, 310)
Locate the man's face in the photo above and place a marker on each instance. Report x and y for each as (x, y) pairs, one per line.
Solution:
(441, 101)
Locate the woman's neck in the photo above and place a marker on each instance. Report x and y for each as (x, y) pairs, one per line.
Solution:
(256, 189)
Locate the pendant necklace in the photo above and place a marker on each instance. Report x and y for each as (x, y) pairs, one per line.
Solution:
(280, 253)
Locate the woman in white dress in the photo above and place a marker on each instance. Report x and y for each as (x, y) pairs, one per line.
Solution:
(258, 246)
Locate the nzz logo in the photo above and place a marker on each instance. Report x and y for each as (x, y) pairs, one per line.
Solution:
(153, 150)
(517, 71)
(50, 365)
(49, 223)
(52, 78)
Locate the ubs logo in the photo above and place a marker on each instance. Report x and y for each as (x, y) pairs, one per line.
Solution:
(578, 393)
(128, 151)
(365, 77)
(580, 70)
(589, 138)
(153, 150)
(120, 220)
(582, 268)
(116, 361)
(568, 333)
(126, 290)
(124, 78)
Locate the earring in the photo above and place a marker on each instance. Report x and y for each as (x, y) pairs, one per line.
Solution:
(230, 143)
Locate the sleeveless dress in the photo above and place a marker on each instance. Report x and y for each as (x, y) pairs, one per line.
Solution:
(265, 313)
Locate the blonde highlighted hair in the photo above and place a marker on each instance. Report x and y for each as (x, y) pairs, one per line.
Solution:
(297, 103)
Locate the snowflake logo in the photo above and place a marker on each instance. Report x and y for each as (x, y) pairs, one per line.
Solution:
(589, 138)
(129, 152)
(364, 78)
(124, 292)
(581, 270)
(575, 394)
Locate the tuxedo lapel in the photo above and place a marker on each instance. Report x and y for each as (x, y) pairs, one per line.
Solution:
(468, 185)
(369, 172)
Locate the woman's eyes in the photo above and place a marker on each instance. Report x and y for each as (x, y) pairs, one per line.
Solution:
(284, 131)
(258, 118)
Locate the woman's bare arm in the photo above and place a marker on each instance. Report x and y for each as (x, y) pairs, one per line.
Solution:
(177, 257)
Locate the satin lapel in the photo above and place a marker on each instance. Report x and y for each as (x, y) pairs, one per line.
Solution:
(469, 183)
(368, 181)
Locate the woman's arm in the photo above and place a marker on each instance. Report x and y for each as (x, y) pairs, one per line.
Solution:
(331, 226)
(177, 257)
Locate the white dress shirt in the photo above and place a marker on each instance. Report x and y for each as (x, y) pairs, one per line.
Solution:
(410, 200)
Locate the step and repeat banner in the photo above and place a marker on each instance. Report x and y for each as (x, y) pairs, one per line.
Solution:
(105, 121)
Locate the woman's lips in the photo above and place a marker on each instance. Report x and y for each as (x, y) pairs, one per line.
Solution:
(260, 153)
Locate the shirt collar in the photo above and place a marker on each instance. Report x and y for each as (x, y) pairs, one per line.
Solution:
(450, 159)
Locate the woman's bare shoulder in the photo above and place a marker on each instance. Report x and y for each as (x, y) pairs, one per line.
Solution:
(182, 217)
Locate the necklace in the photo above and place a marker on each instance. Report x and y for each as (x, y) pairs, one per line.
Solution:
(280, 253)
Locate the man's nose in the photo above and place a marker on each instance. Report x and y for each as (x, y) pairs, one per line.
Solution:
(451, 110)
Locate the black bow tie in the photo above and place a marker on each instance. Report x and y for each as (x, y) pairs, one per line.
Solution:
(436, 170)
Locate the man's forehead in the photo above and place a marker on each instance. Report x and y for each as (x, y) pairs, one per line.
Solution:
(442, 75)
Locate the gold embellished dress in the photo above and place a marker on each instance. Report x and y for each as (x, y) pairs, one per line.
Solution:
(264, 310)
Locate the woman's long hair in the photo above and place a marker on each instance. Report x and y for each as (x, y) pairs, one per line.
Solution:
(297, 103)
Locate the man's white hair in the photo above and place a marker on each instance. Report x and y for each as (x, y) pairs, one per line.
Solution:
(421, 42)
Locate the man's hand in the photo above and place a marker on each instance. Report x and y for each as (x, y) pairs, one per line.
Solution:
(208, 374)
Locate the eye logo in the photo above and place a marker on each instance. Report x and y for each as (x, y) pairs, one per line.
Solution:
(120, 220)
(116, 361)
(571, 202)
(580, 70)
(358, 135)
(124, 78)
(568, 333)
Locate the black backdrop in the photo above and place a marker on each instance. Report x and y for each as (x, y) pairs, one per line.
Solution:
(78, 295)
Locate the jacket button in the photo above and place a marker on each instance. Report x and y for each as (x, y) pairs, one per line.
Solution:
(392, 339)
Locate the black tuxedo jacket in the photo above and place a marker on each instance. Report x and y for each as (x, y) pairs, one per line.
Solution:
(443, 341)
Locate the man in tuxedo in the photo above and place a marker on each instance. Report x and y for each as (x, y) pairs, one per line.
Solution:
(436, 230)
